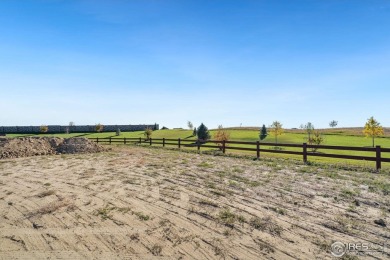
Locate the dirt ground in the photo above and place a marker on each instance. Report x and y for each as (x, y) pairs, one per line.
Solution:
(145, 203)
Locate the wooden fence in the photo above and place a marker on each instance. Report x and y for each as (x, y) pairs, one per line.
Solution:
(257, 147)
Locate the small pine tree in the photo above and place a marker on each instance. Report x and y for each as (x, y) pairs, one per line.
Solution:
(155, 127)
(194, 132)
(263, 133)
(203, 133)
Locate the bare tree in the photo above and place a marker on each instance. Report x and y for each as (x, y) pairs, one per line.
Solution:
(190, 125)
(276, 129)
(309, 128)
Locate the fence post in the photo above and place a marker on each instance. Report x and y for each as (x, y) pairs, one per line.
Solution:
(179, 143)
(378, 158)
(140, 141)
(223, 146)
(305, 152)
(163, 142)
(124, 140)
(97, 139)
(258, 150)
(110, 139)
(150, 141)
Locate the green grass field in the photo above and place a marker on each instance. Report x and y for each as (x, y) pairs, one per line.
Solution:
(337, 137)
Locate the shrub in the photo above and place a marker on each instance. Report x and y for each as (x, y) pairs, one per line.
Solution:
(99, 128)
(43, 128)
(221, 135)
(148, 133)
(203, 133)
(164, 128)
(316, 139)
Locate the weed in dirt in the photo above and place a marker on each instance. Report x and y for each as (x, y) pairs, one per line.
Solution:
(244, 180)
(234, 184)
(221, 193)
(265, 224)
(124, 210)
(46, 193)
(104, 213)
(347, 193)
(227, 217)
(241, 219)
(47, 184)
(227, 232)
(142, 216)
(156, 249)
(130, 181)
(279, 210)
(205, 165)
(208, 202)
(237, 170)
(134, 237)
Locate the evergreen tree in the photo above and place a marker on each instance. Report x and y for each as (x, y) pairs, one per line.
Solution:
(194, 132)
(203, 132)
(263, 133)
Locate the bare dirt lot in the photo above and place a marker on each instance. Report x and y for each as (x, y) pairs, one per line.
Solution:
(144, 203)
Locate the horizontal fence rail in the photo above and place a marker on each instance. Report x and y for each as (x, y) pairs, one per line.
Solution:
(257, 147)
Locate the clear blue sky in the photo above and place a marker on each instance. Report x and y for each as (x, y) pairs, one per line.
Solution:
(218, 62)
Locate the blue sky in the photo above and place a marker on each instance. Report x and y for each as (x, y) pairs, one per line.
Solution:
(218, 62)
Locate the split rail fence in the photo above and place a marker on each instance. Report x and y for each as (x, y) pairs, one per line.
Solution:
(257, 147)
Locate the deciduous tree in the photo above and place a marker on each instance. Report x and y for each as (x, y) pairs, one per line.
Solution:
(190, 125)
(148, 133)
(221, 135)
(309, 128)
(373, 128)
(276, 130)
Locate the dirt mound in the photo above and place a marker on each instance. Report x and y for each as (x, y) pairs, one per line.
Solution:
(30, 146)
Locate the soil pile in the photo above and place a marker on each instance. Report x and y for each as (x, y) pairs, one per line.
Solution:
(30, 146)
